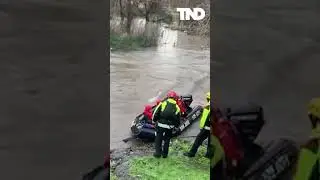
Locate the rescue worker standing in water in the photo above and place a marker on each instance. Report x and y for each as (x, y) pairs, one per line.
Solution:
(204, 131)
(167, 117)
(308, 166)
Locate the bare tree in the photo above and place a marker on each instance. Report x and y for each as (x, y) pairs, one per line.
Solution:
(121, 10)
(130, 15)
(148, 7)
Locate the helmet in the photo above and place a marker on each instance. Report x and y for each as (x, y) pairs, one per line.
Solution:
(172, 94)
(147, 108)
(208, 96)
(314, 107)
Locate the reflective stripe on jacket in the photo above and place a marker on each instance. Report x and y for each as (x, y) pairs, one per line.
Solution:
(163, 106)
(166, 126)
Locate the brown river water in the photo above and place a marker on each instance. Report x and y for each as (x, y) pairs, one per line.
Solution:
(180, 62)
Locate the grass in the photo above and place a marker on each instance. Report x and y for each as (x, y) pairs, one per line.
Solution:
(113, 176)
(175, 166)
(128, 43)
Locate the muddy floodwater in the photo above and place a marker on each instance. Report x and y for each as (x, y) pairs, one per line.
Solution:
(180, 62)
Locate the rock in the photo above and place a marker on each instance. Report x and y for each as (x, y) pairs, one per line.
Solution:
(122, 170)
(118, 154)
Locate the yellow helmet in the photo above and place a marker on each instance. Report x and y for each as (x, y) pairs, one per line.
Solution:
(314, 107)
(208, 96)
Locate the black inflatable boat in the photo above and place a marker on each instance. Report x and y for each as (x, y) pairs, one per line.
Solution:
(268, 161)
(142, 128)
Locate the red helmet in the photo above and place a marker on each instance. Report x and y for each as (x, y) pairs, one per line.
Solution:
(172, 94)
(147, 108)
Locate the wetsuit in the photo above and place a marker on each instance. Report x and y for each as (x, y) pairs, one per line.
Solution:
(203, 134)
(167, 116)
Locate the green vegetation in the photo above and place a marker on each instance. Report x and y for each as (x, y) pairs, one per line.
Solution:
(113, 176)
(126, 19)
(126, 43)
(175, 166)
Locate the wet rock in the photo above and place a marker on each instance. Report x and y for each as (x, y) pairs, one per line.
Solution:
(120, 160)
(118, 154)
(122, 170)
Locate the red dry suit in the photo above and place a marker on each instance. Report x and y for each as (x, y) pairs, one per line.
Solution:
(227, 134)
(148, 112)
(182, 106)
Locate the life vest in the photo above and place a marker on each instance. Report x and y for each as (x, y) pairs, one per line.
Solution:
(165, 107)
(205, 117)
(217, 149)
(308, 167)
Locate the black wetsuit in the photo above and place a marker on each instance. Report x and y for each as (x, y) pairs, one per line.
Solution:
(203, 134)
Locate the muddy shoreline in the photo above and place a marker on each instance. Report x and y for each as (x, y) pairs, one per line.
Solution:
(119, 162)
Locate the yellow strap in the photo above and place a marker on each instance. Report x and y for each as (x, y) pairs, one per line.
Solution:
(204, 116)
(164, 104)
(306, 161)
(177, 109)
(172, 101)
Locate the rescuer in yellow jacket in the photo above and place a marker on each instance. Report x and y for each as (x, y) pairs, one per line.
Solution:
(204, 131)
(308, 166)
(166, 116)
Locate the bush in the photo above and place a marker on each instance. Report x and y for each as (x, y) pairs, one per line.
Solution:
(124, 42)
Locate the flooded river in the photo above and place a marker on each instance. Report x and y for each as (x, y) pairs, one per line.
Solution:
(180, 62)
